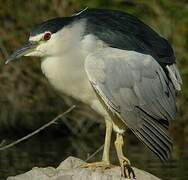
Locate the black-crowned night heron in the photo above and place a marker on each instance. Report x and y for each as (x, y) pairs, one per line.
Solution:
(119, 66)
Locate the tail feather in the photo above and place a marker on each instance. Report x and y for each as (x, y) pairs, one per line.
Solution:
(151, 146)
(175, 76)
(160, 129)
(155, 136)
(163, 145)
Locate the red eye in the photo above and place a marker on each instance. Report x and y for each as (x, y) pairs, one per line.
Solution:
(47, 36)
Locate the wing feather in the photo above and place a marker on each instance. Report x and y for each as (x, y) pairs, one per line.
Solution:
(135, 87)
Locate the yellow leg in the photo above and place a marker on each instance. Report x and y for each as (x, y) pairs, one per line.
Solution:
(105, 163)
(126, 169)
(106, 150)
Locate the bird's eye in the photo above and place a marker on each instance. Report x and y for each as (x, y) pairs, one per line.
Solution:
(47, 36)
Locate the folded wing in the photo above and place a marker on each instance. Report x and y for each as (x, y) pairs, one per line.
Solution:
(135, 87)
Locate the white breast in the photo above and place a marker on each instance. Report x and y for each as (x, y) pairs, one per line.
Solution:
(67, 75)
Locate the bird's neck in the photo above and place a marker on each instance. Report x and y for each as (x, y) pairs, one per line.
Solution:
(67, 74)
(63, 69)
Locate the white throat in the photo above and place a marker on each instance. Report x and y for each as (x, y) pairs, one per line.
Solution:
(67, 75)
(66, 72)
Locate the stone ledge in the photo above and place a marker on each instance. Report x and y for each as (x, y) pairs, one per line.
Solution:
(69, 170)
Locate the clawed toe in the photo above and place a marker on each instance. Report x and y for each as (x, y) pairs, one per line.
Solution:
(127, 171)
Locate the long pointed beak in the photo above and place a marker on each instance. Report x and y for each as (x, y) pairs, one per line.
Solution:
(25, 49)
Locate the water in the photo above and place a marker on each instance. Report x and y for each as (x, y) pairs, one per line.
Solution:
(44, 150)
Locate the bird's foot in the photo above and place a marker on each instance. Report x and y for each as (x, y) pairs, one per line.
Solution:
(126, 169)
(98, 165)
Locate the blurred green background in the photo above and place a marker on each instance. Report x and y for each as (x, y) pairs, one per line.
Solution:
(27, 100)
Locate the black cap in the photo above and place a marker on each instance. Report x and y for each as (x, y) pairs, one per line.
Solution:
(52, 25)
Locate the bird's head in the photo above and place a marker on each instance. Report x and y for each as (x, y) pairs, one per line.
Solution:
(51, 38)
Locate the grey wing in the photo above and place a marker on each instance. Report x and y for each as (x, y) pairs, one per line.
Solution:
(135, 87)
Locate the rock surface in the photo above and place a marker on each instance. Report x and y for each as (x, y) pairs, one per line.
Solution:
(69, 170)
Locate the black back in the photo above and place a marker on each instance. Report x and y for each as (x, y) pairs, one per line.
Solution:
(124, 31)
(118, 30)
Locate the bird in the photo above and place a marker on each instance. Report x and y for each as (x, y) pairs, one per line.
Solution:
(123, 69)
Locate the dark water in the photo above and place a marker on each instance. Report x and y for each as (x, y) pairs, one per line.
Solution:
(45, 150)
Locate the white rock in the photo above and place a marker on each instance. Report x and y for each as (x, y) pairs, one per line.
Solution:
(70, 169)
